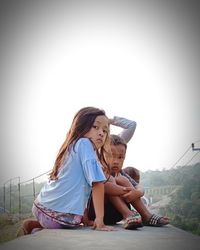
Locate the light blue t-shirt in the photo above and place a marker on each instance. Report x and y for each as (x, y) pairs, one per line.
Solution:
(70, 192)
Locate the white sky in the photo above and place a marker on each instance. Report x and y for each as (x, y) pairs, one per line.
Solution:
(139, 61)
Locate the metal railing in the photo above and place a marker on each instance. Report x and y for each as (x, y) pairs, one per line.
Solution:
(17, 197)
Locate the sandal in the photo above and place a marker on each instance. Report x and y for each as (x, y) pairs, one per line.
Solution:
(155, 221)
(133, 222)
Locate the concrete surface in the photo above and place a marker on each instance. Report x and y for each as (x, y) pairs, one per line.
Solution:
(150, 238)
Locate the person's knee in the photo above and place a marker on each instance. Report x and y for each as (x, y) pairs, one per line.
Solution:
(122, 181)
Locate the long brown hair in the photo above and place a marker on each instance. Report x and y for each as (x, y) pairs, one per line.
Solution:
(81, 124)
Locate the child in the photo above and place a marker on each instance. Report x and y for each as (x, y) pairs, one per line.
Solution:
(118, 149)
(133, 219)
(77, 170)
(116, 206)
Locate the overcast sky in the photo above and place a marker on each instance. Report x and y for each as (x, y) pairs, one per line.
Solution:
(135, 59)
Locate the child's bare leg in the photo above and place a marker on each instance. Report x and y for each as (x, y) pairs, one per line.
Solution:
(145, 213)
(121, 206)
(142, 209)
(131, 219)
(111, 188)
(116, 200)
(137, 202)
(123, 181)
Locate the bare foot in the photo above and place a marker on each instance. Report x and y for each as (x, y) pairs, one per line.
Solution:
(164, 220)
(27, 226)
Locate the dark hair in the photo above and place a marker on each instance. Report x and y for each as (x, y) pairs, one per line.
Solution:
(133, 172)
(117, 140)
(81, 124)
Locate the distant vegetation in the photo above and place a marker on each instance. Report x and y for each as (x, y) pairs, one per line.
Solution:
(184, 206)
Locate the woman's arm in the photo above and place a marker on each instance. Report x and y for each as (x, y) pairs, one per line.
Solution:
(98, 201)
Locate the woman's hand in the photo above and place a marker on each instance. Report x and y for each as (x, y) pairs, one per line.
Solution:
(99, 225)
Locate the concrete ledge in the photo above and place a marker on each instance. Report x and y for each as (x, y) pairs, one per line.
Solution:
(146, 238)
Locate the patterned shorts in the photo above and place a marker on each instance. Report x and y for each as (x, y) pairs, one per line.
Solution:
(54, 220)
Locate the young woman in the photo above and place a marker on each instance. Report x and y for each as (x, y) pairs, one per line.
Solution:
(77, 171)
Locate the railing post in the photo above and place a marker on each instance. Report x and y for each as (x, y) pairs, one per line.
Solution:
(10, 196)
(4, 197)
(33, 189)
(19, 192)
